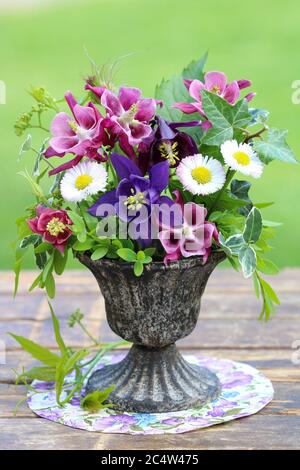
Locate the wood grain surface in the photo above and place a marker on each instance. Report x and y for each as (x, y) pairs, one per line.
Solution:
(228, 328)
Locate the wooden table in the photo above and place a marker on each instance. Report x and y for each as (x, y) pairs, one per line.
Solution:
(228, 328)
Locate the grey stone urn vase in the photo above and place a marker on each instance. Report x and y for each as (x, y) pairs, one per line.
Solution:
(153, 312)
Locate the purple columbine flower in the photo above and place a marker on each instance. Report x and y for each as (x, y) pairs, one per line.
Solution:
(129, 113)
(135, 192)
(81, 134)
(166, 143)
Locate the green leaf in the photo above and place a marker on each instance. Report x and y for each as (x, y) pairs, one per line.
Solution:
(50, 285)
(34, 185)
(274, 147)
(149, 251)
(48, 268)
(223, 116)
(126, 254)
(81, 236)
(76, 219)
(266, 266)
(42, 247)
(46, 374)
(38, 352)
(170, 92)
(60, 261)
(140, 255)
(87, 245)
(128, 244)
(253, 226)
(95, 401)
(20, 252)
(195, 69)
(240, 190)
(56, 328)
(138, 268)
(99, 253)
(36, 282)
(26, 145)
(247, 259)
(40, 260)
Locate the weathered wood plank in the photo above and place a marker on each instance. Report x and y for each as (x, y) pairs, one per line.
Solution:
(244, 305)
(255, 432)
(221, 281)
(277, 364)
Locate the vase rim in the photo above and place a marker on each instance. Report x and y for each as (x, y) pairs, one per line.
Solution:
(214, 258)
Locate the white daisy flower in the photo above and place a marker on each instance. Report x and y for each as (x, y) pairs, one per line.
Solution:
(241, 157)
(83, 180)
(201, 175)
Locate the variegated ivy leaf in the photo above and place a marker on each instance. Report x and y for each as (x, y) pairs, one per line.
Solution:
(253, 226)
(233, 244)
(247, 259)
(274, 147)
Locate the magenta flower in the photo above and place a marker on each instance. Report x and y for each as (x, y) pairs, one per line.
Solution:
(215, 82)
(82, 134)
(52, 225)
(129, 113)
(193, 236)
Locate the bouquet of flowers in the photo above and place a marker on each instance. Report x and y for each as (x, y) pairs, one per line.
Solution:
(144, 180)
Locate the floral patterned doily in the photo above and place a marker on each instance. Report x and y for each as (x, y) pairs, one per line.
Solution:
(245, 391)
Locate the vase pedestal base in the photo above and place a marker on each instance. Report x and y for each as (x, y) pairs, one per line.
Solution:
(155, 381)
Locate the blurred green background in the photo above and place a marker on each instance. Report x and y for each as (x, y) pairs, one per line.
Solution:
(44, 45)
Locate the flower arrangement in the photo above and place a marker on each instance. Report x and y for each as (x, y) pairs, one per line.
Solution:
(144, 180)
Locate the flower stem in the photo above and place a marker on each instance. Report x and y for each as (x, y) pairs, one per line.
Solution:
(229, 175)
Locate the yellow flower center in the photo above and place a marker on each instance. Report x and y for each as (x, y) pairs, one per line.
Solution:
(73, 125)
(242, 158)
(82, 181)
(55, 226)
(201, 174)
(128, 116)
(215, 89)
(169, 152)
(135, 201)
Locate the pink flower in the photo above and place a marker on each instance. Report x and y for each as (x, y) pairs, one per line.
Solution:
(129, 114)
(52, 225)
(215, 82)
(192, 237)
(82, 134)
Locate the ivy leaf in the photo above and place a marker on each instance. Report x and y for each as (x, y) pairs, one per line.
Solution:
(29, 240)
(247, 259)
(223, 116)
(195, 69)
(240, 190)
(253, 226)
(126, 254)
(38, 352)
(95, 401)
(258, 116)
(274, 147)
